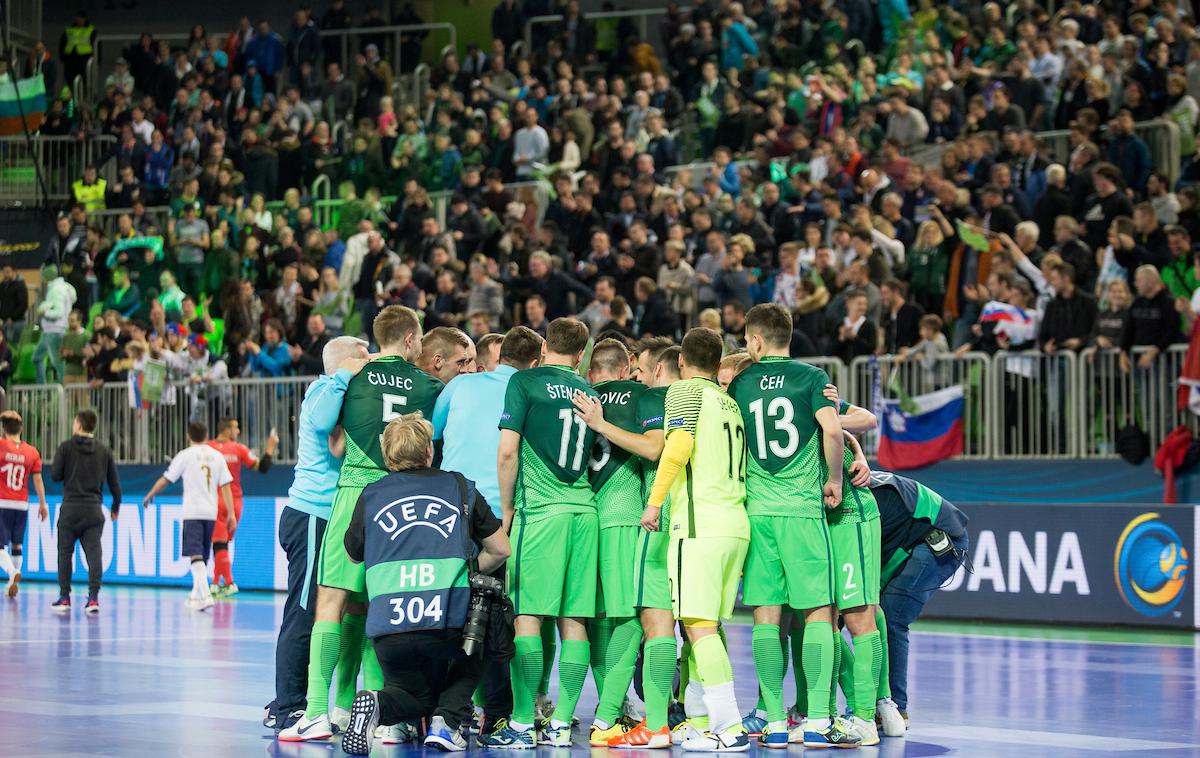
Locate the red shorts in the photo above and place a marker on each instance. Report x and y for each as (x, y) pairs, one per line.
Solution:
(220, 533)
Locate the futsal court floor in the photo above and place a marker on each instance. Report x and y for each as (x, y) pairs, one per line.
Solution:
(148, 677)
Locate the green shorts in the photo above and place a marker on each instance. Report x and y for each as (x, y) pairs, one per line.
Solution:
(553, 566)
(705, 573)
(336, 569)
(856, 563)
(790, 562)
(618, 556)
(652, 586)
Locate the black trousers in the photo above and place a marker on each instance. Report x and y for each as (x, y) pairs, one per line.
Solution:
(408, 695)
(497, 680)
(83, 524)
(300, 536)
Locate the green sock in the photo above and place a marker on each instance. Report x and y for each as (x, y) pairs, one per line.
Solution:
(838, 645)
(768, 663)
(526, 671)
(349, 660)
(685, 672)
(600, 632)
(845, 675)
(818, 667)
(796, 636)
(322, 660)
(549, 651)
(658, 675)
(623, 649)
(867, 649)
(885, 673)
(477, 695)
(372, 673)
(572, 671)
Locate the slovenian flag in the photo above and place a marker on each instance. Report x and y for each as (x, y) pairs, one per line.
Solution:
(929, 431)
(32, 95)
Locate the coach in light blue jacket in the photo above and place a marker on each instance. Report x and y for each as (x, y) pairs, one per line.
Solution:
(302, 522)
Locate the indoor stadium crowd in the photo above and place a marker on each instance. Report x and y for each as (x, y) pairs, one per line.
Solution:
(821, 193)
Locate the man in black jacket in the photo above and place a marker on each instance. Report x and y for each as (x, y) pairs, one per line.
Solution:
(307, 356)
(1154, 324)
(83, 465)
(652, 315)
(901, 320)
(1070, 315)
(14, 303)
(552, 285)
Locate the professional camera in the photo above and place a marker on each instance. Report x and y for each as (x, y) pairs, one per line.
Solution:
(484, 589)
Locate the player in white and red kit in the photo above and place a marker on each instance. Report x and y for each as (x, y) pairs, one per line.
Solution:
(19, 462)
(237, 456)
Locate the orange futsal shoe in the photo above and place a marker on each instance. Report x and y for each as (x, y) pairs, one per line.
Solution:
(642, 737)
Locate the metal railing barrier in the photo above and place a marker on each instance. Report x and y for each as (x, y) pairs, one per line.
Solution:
(1034, 404)
(351, 39)
(641, 14)
(61, 159)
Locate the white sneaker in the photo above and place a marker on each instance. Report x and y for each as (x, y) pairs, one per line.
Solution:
(396, 734)
(442, 737)
(339, 719)
(683, 732)
(888, 717)
(202, 603)
(864, 730)
(315, 728)
(729, 741)
(230, 589)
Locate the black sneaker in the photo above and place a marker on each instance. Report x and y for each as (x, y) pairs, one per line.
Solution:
(364, 717)
(92, 607)
(62, 605)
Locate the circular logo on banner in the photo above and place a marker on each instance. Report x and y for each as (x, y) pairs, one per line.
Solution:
(1151, 566)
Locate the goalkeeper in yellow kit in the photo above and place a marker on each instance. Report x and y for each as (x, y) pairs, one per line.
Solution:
(703, 469)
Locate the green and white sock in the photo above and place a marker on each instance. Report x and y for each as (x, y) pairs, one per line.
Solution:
(526, 671)
(768, 664)
(867, 650)
(716, 674)
(322, 660)
(658, 676)
(572, 672)
(620, 661)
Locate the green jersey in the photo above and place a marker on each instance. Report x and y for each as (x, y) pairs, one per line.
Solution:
(387, 387)
(709, 495)
(616, 473)
(553, 466)
(652, 411)
(858, 503)
(779, 399)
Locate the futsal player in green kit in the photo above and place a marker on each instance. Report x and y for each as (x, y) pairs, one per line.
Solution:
(854, 529)
(658, 367)
(794, 477)
(550, 511)
(389, 386)
(616, 478)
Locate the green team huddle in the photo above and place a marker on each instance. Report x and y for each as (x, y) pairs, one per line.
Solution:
(751, 502)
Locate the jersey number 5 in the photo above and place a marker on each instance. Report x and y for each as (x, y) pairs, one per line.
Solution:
(390, 403)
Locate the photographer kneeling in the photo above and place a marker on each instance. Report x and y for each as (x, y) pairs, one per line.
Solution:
(420, 531)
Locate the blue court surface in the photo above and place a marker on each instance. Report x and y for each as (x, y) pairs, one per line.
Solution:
(149, 677)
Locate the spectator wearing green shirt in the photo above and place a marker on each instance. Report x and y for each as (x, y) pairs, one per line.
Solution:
(170, 296)
(190, 238)
(125, 297)
(74, 340)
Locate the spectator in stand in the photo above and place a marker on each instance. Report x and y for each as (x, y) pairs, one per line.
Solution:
(652, 314)
(306, 356)
(1070, 317)
(901, 319)
(14, 303)
(1154, 324)
(1105, 204)
(531, 145)
(271, 358)
(535, 314)
(53, 309)
(856, 335)
(552, 285)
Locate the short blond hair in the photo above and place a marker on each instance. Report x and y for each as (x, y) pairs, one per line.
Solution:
(407, 441)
